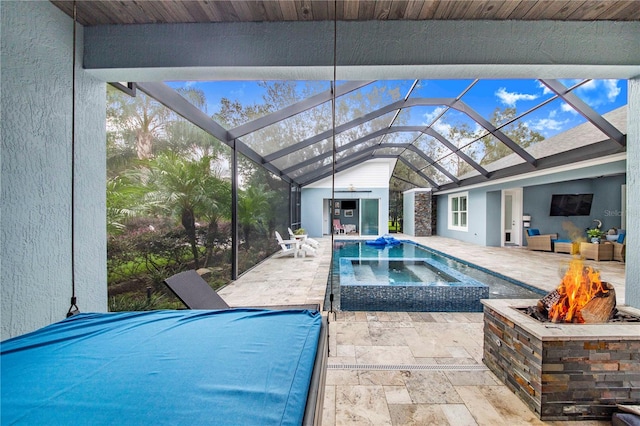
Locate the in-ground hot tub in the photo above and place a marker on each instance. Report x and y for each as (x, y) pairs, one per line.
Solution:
(563, 371)
(407, 285)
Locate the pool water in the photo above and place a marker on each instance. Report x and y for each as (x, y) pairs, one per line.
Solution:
(398, 271)
(377, 265)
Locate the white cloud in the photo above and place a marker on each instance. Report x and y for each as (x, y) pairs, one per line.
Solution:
(567, 108)
(430, 116)
(589, 85)
(545, 89)
(612, 89)
(599, 92)
(510, 98)
(545, 124)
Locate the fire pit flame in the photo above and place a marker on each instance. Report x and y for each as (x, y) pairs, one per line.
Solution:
(579, 297)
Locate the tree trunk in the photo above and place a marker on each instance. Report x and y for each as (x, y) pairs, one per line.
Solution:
(144, 146)
(189, 224)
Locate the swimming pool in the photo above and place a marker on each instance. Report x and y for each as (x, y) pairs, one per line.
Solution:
(410, 277)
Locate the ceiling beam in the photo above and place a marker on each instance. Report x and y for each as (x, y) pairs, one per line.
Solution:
(175, 102)
(295, 108)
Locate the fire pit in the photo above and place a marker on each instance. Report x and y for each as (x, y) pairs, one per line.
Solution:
(570, 369)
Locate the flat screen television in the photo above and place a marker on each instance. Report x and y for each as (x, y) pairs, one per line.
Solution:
(571, 204)
(349, 204)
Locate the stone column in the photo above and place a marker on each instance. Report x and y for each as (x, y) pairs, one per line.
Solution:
(425, 214)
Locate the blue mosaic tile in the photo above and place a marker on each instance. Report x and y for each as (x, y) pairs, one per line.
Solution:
(460, 293)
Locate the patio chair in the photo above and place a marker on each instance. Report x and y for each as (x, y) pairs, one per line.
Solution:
(303, 239)
(338, 228)
(619, 247)
(194, 291)
(287, 247)
(536, 241)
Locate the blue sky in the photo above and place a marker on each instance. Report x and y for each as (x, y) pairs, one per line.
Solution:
(555, 117)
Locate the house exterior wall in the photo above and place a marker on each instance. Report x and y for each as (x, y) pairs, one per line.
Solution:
(36, 171)
(494, 217)
(312, 207)
(484, 209)
(369, 180)
(606, 198)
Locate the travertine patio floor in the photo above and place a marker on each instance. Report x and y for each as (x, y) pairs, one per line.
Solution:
(399, 368)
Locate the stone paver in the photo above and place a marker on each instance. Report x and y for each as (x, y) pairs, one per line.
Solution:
(442, 393)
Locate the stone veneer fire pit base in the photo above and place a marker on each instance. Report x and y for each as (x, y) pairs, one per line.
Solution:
(563, 371)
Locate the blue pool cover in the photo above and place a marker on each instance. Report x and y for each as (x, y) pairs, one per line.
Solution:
(230, 367)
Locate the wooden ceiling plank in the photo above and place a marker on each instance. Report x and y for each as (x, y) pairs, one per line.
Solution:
(366, 10)
(398, 9)
(522, 9)
(381, 10)
(107, 12)
(590, 10)
(413, 9)
(126, 14)
(570, 7)
(331, 10)
(429, 8)
(196, 11)
(248, 11)
(160, 10)
(483, 9)
(351, 8)
(506, 9)
(111, 8)
(92, 12)
(459, 9)
(303, 9)
(227, 11)
(442, 9)
(545, 9)
(288, 10)
(630, 12)
(137, 13)
(180, 11)
(272, 10)
(320, 10)
(612, 11)
(210, 8)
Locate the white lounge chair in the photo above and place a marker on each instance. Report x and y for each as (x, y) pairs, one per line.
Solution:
(287, 247)
(306, 249)
(304, 239)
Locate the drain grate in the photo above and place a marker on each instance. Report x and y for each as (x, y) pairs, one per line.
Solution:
(409, 367)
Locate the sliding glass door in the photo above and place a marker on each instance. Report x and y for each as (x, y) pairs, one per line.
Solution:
(369, 217)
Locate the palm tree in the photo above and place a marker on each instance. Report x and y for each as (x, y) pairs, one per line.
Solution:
(180, 187)
(253, 208)
(124, 201)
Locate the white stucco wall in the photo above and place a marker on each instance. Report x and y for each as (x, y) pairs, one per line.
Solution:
(369, 180)
(36, 171)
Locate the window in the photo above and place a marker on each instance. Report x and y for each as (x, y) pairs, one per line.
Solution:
(458, 211)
